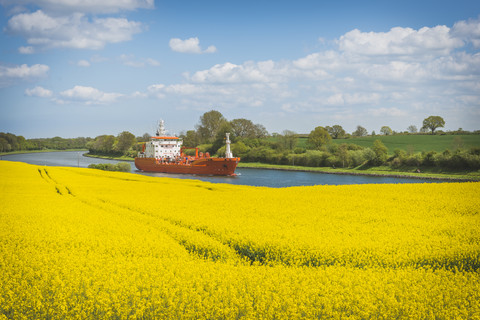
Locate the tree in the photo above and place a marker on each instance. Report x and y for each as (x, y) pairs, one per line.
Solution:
(318, 137)
(386, 130)
(4, 145)
(191, 139)
(433, 122)
(103, 144)
(243, 128)
(380, 152)
(288, 139)
(125, 141)
(12, 141)
(343, 155)
(360, 132)
(412, 129)
(146, 137)
(260, 131)
(210, 123)
(336, 131)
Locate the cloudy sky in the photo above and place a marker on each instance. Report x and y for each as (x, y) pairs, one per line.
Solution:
(86, 67)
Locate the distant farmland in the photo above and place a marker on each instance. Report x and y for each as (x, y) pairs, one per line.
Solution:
(414, 143)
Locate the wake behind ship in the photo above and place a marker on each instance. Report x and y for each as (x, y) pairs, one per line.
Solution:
(165, 154)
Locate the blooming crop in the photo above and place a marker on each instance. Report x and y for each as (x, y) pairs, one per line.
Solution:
(83, 243)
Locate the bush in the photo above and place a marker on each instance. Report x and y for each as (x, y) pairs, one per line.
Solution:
(239, 149)
(297, 159)
(259, 154)
(356, 157)
(316, 158)
(473, 161)
(380, 152)
(205, 148)
(396, 163)
(399, 153)
(333, 161)
(121, 166)
(475, 151)
(458, 160)
(414, 160)
(429, 158)
(369, 155)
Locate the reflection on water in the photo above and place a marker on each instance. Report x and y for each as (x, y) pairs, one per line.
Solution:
(245, 176)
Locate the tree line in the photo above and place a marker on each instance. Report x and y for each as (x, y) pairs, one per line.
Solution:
(253, 143)
(124, 144)
(10, 142)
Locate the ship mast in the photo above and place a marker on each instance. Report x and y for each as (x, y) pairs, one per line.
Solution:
(161, 129)
(228, 153)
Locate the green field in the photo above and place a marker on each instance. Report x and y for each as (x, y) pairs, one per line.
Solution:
(413, 143)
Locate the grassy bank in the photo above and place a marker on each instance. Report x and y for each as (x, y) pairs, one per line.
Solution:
(406, 172)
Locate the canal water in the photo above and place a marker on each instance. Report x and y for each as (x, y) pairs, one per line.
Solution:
(245, 176)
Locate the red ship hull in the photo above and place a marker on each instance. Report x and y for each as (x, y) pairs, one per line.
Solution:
(208, 166)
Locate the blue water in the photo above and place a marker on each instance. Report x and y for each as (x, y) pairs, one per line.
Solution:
(245, 176)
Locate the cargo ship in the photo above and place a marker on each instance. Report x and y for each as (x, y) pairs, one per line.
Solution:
(165, 154)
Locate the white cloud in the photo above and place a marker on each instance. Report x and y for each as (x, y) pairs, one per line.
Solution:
(71, 31)
(393, 112)
(395, 71)
(89, 95)
(39, 92)
(23, 72)
(210, 49)
(191, 45)
(152, 62)
(184, 89)
(248, 72)
(320, 60)
(26, 50)
(156, 90)
(400, 41)
(83, 63)
(131, 61)
(85, 6)
(347, 99)
(336, 99)
(468, 30)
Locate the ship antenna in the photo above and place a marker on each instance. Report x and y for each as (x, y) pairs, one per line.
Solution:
(161, 129)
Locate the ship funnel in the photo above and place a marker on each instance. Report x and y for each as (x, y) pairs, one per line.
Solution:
(228, 153)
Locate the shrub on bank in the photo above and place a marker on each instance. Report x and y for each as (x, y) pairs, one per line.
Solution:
(460, 159)
(121, 166)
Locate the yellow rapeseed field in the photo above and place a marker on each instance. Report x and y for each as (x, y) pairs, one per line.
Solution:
(87, 244)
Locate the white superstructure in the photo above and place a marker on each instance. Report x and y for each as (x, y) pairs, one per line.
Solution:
(162, 146)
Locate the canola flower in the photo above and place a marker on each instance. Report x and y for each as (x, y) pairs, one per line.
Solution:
(86, 244)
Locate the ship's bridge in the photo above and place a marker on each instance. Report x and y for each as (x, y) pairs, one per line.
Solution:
(163, 147)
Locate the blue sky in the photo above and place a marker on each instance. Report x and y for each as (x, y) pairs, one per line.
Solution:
(84, 68)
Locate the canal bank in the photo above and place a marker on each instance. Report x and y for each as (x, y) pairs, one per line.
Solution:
(262, 177)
